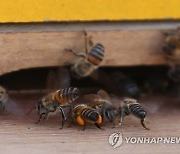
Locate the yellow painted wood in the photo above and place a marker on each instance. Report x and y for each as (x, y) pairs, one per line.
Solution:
(87, 10)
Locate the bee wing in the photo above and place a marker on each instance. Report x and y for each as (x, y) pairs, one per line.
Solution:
(103, 94)
(57, 79)
(13, 107)
(117, 101)
(63, 75)
(92, 97)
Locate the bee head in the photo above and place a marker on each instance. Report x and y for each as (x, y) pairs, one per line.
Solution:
(76, 93)
(3, 93)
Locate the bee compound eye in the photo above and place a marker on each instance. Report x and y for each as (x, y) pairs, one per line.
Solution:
(77, 93)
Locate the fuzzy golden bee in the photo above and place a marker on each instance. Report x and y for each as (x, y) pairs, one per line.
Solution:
(102, 102)
(83, 114)
(131, 106)
(3, 97)
(88, 62)
(172, 53)
(55, 102)
(172, 46)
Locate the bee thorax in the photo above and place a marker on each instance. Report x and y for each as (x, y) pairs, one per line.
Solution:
(82, 69)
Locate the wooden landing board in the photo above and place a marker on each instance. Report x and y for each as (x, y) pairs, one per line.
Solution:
(20, 135)
(42, 49)
(93, 10)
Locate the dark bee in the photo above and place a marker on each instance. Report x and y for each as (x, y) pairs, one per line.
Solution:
(83, 113)
(125, 86)
(172, 53)
(103, 104)
(88, 62)
(131, 106)
(3, 97)
(55, 102)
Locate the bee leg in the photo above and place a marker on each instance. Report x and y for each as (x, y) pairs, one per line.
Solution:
(70, 110)
(63, 118)
(40, 117)
(71, 123)
(121, 120)
(84, 127)
(76, 53)
(143, 124)
(33, 108)
(110, 117)
(69, 115)
(121, 117)
(103, 115)
(98, 126)
(88, 41)
(45, 117)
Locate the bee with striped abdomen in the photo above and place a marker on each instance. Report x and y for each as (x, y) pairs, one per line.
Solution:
(3, 97)
(83, 114)
(131, 106)
(88, 62)
(102, 102)
(55, 102)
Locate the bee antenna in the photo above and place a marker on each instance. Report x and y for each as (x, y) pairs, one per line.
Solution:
(33, 108)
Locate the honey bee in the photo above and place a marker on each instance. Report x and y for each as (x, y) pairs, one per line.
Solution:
(172, 45)
(3, 97)
(88, 62)
(125, 85)
(102, 102)
(83, 114)
(55, 102)
(172, 52)
(131, 106)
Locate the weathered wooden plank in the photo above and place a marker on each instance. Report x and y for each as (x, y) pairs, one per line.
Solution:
(123, 48)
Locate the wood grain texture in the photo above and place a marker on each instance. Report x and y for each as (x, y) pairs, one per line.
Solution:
(42, 49)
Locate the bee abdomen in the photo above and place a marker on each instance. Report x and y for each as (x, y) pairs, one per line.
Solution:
(90, 115)
(66, 95)
(137, 110)
(96, 54)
